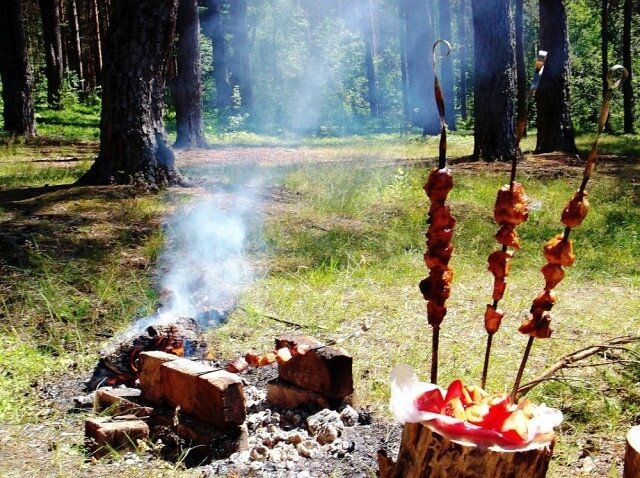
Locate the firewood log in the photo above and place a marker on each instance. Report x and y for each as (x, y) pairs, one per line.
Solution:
(426, 453)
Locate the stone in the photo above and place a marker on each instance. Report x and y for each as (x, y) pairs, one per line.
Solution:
(287, 395)
(349, 416)
(325, 370)
(259, 453)
(215, 397)
(327, 434)
(122, 401)
(104, 434)
(149, 374)
(324, 417)
(295, 437)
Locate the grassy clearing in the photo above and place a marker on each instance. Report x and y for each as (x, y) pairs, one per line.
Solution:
(343, 248)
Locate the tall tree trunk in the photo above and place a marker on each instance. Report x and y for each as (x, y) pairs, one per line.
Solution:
(133, 144)
(464, 42)
(627, 87)
(420, 75)
(240, 65)
(555, 129)
(521, 75)
(50, 13)
(368, 32)
(402, 32)
(75, 56)
(446, 65)
(214, 29)
(15, 72)
(604, 51)
(494, 65)
(97, 41)
(187, 87)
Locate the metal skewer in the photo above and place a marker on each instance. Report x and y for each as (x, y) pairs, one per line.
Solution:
(613, 84)
(442, 162)
(520, 127)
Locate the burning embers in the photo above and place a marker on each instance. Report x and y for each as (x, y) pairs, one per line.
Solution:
(119, 363)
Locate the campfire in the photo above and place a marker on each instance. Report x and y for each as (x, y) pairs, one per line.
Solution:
(119, 362)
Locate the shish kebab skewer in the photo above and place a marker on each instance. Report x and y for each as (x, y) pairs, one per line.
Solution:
(511, 209)
(559, 250)
(437, 286)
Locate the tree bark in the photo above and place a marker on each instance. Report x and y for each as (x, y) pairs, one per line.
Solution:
(402, 32)
(17, 82)
(521, 81)
(187, 87)
(632, 454)
(555, 129)
(494, 75)
(133, 145)
(369, 59)
(446, 65)
(464, 39)
(419, 73)
(75, 56)
(604, 51)
(214, 29)
(627, 87)
(240, 66)
(424, 453)
(51, 34)
(97, 41)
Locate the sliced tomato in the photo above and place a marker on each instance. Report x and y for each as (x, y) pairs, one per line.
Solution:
(457, 390)
(454, 408)
(516, 427)
(430, 401)
(500, 407)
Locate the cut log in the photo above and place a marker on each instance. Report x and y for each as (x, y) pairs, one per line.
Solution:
(632, 456)
(426, 453)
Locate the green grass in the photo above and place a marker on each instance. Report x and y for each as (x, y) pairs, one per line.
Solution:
(344, 244)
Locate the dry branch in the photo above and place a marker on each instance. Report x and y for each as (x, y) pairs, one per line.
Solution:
(573, 357)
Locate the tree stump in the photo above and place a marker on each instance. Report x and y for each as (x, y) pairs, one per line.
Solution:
(632, 456)
(424, 453)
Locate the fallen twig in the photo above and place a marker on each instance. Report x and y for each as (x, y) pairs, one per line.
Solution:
(569, 359)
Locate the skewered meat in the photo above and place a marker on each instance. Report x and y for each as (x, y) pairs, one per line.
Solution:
(439, 184)
(440, 216)
(499, 286)
(439, 237)
(238, 365)
(511, 205)
(553, 275)
(507, 236)
(575, 210)
(435, 313)
(492, 319)
(543, 303)
(559, 251)
(537, 326)
(499, 263)
(283, 355)
(438, 257)
(437, 286)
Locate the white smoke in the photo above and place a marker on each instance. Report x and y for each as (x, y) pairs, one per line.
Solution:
(203, 264)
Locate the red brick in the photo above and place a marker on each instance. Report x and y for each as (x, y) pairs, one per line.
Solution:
(215, 397)
(149, 374)
(106, 434)
(122, 401)
(325, 370)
